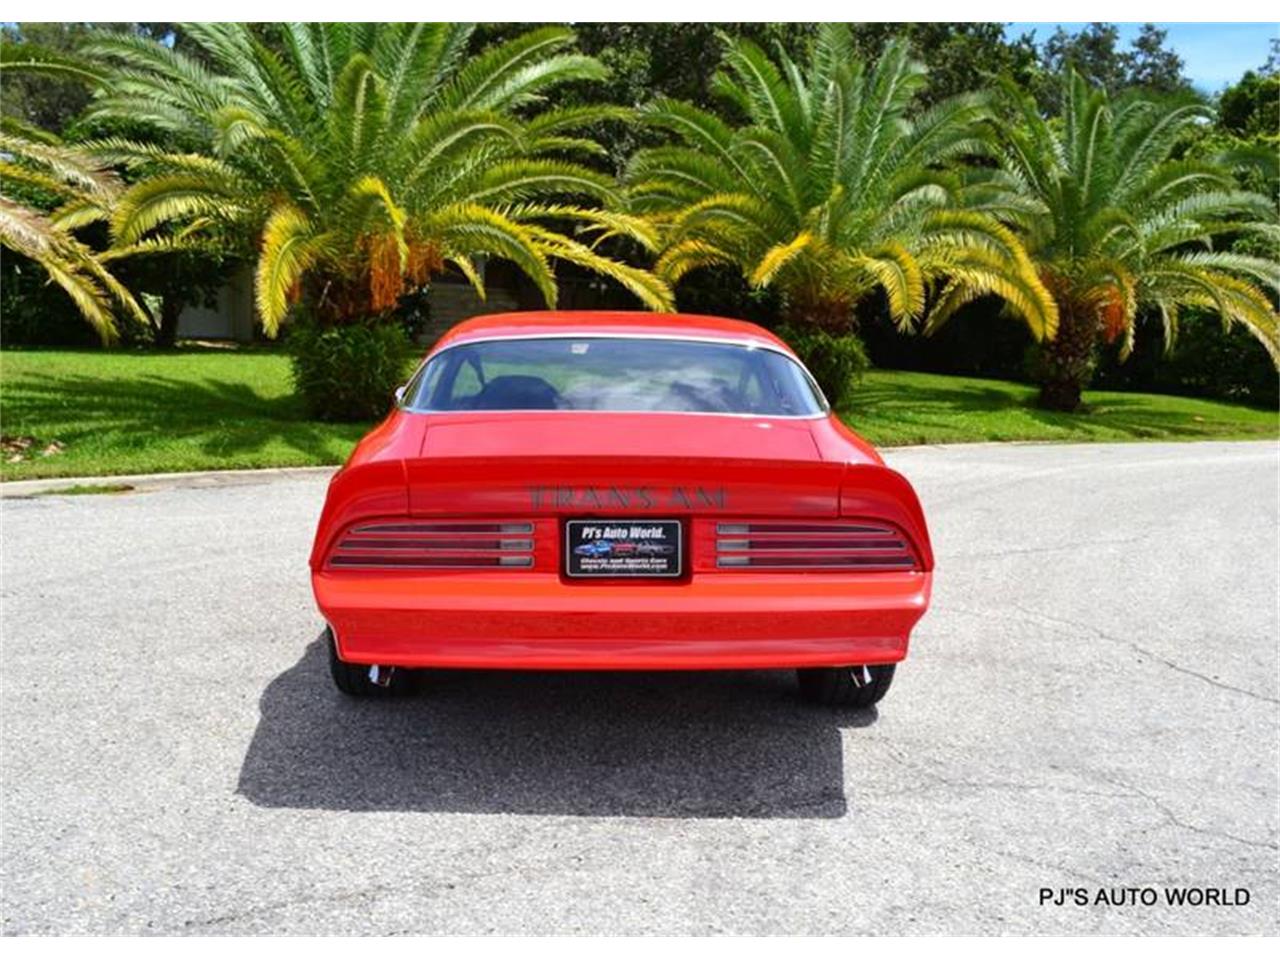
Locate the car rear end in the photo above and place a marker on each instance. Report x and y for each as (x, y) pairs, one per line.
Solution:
(715, 559)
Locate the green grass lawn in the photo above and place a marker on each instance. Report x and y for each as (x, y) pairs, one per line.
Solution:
(895, 407)
(102, 413)
(133, 412)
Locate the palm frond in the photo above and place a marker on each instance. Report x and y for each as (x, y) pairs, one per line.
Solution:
(653, 292)
(777, 257)
(71, 167)
(468, 228)
(167, 198)
(599, 224)
(289, 249)
(898, 273)
(30, 58)
(511, 73)
(87, 191)
(689, 255)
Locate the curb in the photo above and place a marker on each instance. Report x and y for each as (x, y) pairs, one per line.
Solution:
(162, 481)
(228, 478)
(196, 479)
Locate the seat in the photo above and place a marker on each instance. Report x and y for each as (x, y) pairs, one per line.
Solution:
(517, 392)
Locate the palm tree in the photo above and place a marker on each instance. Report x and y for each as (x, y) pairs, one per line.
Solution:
(363, 158)
(34, 165)
(831, 189)
(1115, 223)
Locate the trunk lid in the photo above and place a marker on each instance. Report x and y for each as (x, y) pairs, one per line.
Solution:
(568, 464)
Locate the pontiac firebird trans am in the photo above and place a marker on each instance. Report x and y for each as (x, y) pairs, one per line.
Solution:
(604, 491)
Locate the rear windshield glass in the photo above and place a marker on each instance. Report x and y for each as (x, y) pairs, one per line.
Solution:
(614, 373)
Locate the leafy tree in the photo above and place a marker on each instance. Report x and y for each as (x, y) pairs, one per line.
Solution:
(1246, 136)
(40, 173)
(647, 60)
(363, 157)
(1095, 53)
(831, 190)
(1113, 224)
(960, 57)
(359, 160)
(1152, 66)
(1251, 106)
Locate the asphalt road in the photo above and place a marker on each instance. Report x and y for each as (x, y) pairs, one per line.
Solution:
(1090, 704)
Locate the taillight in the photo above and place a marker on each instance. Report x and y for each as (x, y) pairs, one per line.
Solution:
(436, 544)
(838, 545)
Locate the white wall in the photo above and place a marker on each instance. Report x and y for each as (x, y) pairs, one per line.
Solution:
(234, 318)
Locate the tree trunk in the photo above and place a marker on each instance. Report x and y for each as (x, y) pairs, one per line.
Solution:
(1062, 395)
(170, 311)
(835, 317)
(1067, 361)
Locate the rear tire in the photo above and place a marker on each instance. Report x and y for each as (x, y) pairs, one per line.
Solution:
(353, 678)
(856, 687)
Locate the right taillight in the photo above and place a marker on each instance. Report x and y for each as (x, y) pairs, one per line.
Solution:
(837, 545)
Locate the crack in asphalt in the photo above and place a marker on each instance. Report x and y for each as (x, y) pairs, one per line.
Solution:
(1126, 791)
(1046, 865)
(1013, 785)
(1084, 544)
(366, 893)
(1052, 621)
(1176, 821)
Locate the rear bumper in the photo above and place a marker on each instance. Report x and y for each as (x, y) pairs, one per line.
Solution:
(538, 621)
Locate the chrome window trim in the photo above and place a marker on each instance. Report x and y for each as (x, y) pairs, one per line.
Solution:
(744, 342)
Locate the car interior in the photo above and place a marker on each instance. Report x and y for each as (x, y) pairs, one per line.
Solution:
(717, 380)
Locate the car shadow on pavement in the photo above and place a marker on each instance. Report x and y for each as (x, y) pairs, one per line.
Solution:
(705, 744)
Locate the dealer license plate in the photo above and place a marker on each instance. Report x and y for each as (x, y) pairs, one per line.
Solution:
(623, 548)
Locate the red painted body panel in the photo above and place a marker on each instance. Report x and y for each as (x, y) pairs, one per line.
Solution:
(600, 321)
(537, 621)
(535, 470)
(373, 481)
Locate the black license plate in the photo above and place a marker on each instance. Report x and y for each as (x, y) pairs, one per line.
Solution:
(623, 548)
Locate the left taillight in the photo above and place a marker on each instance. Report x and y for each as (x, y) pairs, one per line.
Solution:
(436, 544)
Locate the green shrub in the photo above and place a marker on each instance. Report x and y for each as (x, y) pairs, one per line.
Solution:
(348, 372)
(837, 361)
(1206, 362)
(35, 312)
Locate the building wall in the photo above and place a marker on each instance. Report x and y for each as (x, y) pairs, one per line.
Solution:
(451, 303)
(235, 318)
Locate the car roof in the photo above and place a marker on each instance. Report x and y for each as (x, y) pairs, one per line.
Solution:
(608, 322)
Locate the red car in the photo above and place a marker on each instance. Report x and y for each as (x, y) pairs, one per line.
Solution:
(606, 491)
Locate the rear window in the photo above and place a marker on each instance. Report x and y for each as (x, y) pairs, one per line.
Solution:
(615, 374)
